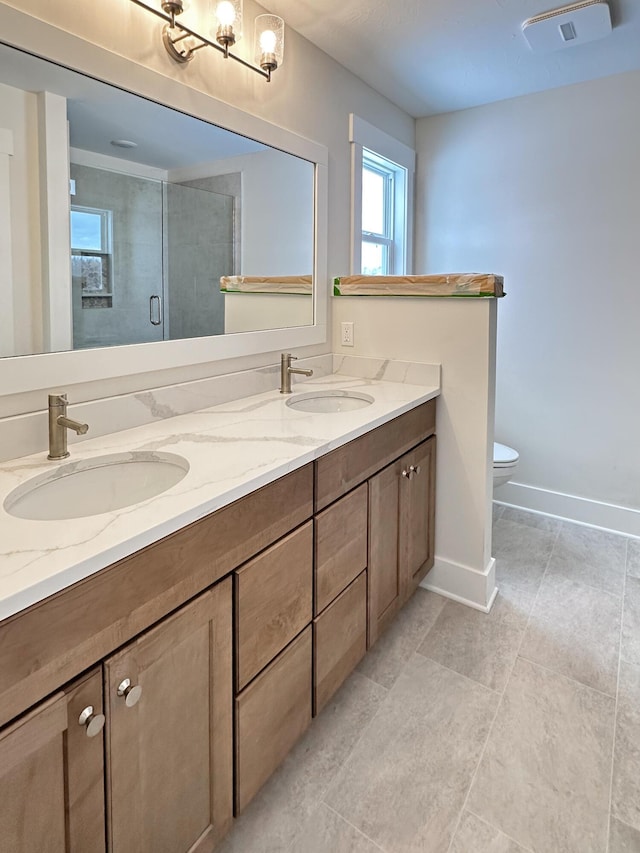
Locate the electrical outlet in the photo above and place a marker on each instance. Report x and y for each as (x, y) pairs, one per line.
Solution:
(347, 334)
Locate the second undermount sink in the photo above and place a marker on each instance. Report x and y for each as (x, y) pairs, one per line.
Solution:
(93, 486)
(330, 401)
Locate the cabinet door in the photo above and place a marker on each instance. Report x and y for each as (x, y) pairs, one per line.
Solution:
(169, 732)
(52, 775)
(417, 515)
(385, 581)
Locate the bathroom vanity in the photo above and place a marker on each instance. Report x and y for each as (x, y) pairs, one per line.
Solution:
(145, 703)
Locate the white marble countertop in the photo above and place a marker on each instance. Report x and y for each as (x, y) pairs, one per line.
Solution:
(232, 449)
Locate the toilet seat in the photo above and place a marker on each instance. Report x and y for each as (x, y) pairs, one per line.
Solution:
(503, 456)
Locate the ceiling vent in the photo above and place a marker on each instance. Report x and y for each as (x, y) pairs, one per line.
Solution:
(570, 25)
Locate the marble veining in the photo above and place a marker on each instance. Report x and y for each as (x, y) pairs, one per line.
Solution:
(415, 373)
(232, 449)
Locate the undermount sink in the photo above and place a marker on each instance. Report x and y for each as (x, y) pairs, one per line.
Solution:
(93, 486)
(330, 401)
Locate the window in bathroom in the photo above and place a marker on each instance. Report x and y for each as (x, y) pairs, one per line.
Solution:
(91, 255)
(382, 201)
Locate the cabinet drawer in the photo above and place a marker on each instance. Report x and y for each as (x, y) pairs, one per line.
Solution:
(341, 546)
(273, 601)
(341, 470)
(340, 640)
(271, 714)
(64, 635)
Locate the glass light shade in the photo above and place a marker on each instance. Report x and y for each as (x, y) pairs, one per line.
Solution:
(269, 41)
(226, 19)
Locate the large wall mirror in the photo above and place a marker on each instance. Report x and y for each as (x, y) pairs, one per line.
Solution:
(131, 222)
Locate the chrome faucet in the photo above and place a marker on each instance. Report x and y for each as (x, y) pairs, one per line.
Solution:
(59, 423)
(286, 370)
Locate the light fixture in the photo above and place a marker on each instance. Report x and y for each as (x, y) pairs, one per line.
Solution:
(124, 143)
(269, 42)
(227, 21)
(181, 42)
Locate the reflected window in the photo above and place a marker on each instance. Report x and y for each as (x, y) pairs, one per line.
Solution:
(92, 255)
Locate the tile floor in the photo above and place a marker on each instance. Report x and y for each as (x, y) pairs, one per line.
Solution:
(470, 733)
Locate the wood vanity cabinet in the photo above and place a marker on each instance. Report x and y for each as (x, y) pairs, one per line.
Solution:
(52, 774)
(169, 732)
(299, 577)
(161, 618)
(375, 511)
(401, 533)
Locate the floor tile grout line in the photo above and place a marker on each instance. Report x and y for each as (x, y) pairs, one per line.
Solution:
(460, 674)
(502, 695)
(615, 717)
(432, 626)
(385, 698)
(598, 589)
(353, 826)
(320, 801)
(501, 831)
(356, 742)
(610, 696)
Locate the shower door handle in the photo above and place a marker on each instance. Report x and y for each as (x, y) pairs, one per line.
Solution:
(155, 303)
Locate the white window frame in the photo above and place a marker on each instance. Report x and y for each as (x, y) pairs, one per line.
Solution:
(372, 162)
(368, 141)
(106, 244)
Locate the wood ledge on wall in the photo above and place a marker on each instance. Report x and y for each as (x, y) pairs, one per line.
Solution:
(299, 284)
(450, 284)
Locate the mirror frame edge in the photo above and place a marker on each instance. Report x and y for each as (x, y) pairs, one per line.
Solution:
(22, 374)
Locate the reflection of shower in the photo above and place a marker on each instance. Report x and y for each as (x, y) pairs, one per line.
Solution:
(149, 255)
(199, 248)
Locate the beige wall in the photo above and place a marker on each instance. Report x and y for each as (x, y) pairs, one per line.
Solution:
(19, 116)
(311, 95)
(460, 335)
(546, 190)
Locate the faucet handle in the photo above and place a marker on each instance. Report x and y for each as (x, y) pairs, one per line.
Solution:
(58, 399)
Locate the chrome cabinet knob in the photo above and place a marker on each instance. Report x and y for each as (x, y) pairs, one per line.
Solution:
(411, 471)
(93, 723)
(131, 693)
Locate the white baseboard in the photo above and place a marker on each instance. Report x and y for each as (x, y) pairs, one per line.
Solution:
(618, 519)
(468, 586)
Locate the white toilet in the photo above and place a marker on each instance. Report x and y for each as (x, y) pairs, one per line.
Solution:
(505, 462)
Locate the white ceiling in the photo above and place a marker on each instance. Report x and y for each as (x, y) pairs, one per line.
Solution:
(98, 113)
(434, 56)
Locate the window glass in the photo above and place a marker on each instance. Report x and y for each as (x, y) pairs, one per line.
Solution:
(374, 258)
(91, 256)
(373, 201)
(86, 230)
(378, 214)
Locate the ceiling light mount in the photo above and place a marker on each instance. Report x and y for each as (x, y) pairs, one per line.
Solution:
(182, 42)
